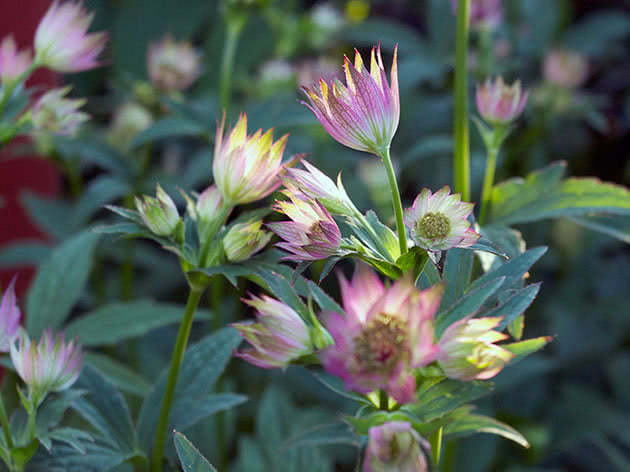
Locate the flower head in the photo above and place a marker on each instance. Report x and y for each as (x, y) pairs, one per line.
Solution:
(9, 317)
(243, 240)
(437, 222)
(247, 168)
(395, 446)
(173, 65)
(52, 365)
(484, 14)
(364, 113)
(565, 68)
(311, 235)
(129, 120)
(158, 213)
(13, 63)
(468, 352)
(278, 336)
(384, 335)
(62, 42)
(499, 103)
(53, 113)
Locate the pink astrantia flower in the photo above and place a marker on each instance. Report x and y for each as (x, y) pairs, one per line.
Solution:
(484, 14)
(364, 113)
(499, 103)
(468, 352)
(437, 222)
(277, 337)
(247, 168)
(311, 235)
(62, 42)
(52, 365)
(384, 335)
(54, 113)
(13, 63)
(173, 65)
(395, 446)
(565, 68)
(9, 317)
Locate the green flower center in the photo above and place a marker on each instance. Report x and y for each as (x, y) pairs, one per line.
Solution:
(434, 226)
(380, 344)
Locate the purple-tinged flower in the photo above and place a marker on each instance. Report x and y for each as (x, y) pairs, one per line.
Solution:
(384, 335)
(247, 168)
(437, 222)
(395, 446)
(243, 240)
(499, 103)
(468, 352)
(565, 68)
(277, 337)
(158, 213)
(62, 42)
(311, 235)
(52, 365)
(316, 185)
(53, 113)
(9, 317)
(173, 65)
(13, 63)
(484, 14)
(363, 114)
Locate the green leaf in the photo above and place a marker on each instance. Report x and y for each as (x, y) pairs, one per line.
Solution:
(97, 458)
(116, 322)
(59, 283)
(51, 216)
(543, 194)
(190, 457)
(75, 438)
(324, 301)
(523, 349)
(613, 225)
(119, 375)
(413, 262)
(336, 385)
(167, 128)
(23, 253)
(457, 272)
(189, 411)
(472, 423)
(50, 413)
(514, 306)
(325, 434)
(101, 190)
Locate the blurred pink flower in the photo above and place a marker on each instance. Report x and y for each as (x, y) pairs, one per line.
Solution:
(384, 335)
(13, 63)
(9, 317)
(484, 14)
(173, 65)
(364, 114)
(395, 446)
(565, 68)
(499, 103)
(62, 42)
(54, 113)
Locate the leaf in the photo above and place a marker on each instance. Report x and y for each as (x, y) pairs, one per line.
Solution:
(612, 225)
(413, 262)
(23, 253)
(457, 272)
(71, 436)
(167, 128)
(97, 458)
(325, 434)
(325, 302)
(543, 194)
(190, 457)
(116, 322)
(523, 349)
(49, 215)
(92, 151)
(101, 190)
(514, 306)
(189, 411)
(202, 365)
(50, 413)
(59, 283)
(336, 385)
(119, 375)
(472, 423)
(598, 32)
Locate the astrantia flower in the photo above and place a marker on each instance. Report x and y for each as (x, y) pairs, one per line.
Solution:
(565, 68)
(437, 222)
(246, 168)
(173, 65)
(62, 42)
(277, 337)
(243, 240)
(499, 103)
(53, 113)
(129, 119)
(12, 63)
(311, 235)
(158, 213)
(52, 365)
(395, 447)
(468, 352)
(384, 335)
(484, 14)
(9, 317)
(364, 113)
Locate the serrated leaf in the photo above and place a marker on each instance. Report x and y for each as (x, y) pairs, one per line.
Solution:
(514, 306)
(119, 375)
(457, 272)
(324, 301)
(325, 434)
(523, 349)
(189, 456)
(98, 457)
(189, 411)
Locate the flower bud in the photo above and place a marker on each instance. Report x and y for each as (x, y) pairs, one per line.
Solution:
(158, 213)
(62, 42)
(53, 113)
(12, 63)
(243, 240)
(484, 14)
(499, 103)
(565, 68)
(468, 352)
(173, 65)
(395, 446)
(129, 120)
(9, 317)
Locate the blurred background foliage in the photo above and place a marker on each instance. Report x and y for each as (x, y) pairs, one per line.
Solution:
(571, 401)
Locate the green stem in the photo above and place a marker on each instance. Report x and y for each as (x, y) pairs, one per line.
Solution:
(211, 232)
(127, 266)
(73, 174)
(171, 382)
(488, 181)
(5, 424)
(383, 400)
(234, 26)
(462, 152)
(398, 210)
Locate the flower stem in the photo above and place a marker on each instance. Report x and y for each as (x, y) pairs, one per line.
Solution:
(462, 152)
(488, 180)
(171, 382)
(398, 211)
(383, 400)
(234, 26)
(5, 424)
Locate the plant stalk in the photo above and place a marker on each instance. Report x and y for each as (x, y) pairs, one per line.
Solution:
(461, 156)
(488, 181)
(234, 27)
(398, 210)
(176, 359)
(5, 424)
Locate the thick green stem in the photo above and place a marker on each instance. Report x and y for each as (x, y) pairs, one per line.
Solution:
(462, 153)
(488, 181)
(234, 26)
(171, 382)
(383, 400)
(398, 210)
(5, 424)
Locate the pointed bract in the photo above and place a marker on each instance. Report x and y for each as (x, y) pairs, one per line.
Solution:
(158, 213)
(9, 317)
(395, 446)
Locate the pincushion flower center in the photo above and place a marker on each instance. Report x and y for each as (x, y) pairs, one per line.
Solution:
(379, 345)
(434, 226)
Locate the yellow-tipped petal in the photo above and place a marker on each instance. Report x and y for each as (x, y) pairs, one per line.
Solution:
(358, 61)
(375, 70)
(239, 133)
(349, 81)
